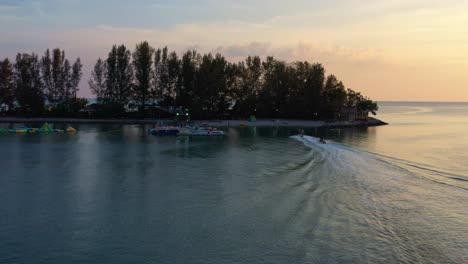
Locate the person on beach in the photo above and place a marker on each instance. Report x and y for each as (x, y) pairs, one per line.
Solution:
(321, 140)
(301, 132)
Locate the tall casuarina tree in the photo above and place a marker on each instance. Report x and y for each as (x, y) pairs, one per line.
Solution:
(111, 74)
(155, 89)
(60, 79)
(6, 85)
(143, 66)
(66, 90)
(333, 95)
(57, 89)
(124, 76)
(46, 69)
(97, 83)
(163, 70)
(314, 88)
(76, 77)
(173, 69)
(118, 76)
(189, 67)
(28, 84)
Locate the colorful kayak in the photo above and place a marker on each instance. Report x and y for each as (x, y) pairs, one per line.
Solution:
(71, 130)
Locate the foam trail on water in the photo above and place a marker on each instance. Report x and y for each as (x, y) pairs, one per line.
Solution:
(392, 202)
(422, 171)
(313, 142)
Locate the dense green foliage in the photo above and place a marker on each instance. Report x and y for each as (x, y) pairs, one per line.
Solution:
(29, 87)
(7, 85)
(148, 81)
(36, 86)
(209, 86)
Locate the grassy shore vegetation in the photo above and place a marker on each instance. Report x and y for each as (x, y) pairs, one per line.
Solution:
(147, 81)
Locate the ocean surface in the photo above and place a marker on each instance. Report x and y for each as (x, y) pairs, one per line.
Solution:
(115, 194)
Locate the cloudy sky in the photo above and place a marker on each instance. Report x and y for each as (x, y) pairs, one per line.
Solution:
(411, 50)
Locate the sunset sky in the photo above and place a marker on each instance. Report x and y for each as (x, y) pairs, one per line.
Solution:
(399, 50)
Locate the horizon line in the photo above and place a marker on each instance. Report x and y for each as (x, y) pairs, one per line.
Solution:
(398, 101)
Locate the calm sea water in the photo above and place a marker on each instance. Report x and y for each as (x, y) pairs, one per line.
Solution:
(114, 194)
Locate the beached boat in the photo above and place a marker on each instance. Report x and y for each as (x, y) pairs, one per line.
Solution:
(206, 131)
(165, 131)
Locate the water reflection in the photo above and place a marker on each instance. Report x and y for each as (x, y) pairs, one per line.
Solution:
(115, 194)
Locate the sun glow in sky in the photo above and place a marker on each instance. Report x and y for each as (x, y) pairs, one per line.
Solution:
(407, 50)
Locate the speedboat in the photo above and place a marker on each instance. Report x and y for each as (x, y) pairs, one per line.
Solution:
(165, 131)
(206, 131)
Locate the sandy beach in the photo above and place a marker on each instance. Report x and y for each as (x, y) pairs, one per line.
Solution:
(215, 123)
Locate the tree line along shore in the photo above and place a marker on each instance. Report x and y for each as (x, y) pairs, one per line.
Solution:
(156, 83)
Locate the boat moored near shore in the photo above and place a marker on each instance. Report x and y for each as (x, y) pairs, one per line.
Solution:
(203, 130)
(165, 131)
(206, 131)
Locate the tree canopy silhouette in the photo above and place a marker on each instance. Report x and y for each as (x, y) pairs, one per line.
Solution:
(135, 83)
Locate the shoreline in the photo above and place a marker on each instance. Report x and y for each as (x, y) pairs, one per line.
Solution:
(294, 123)
(215, 123)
